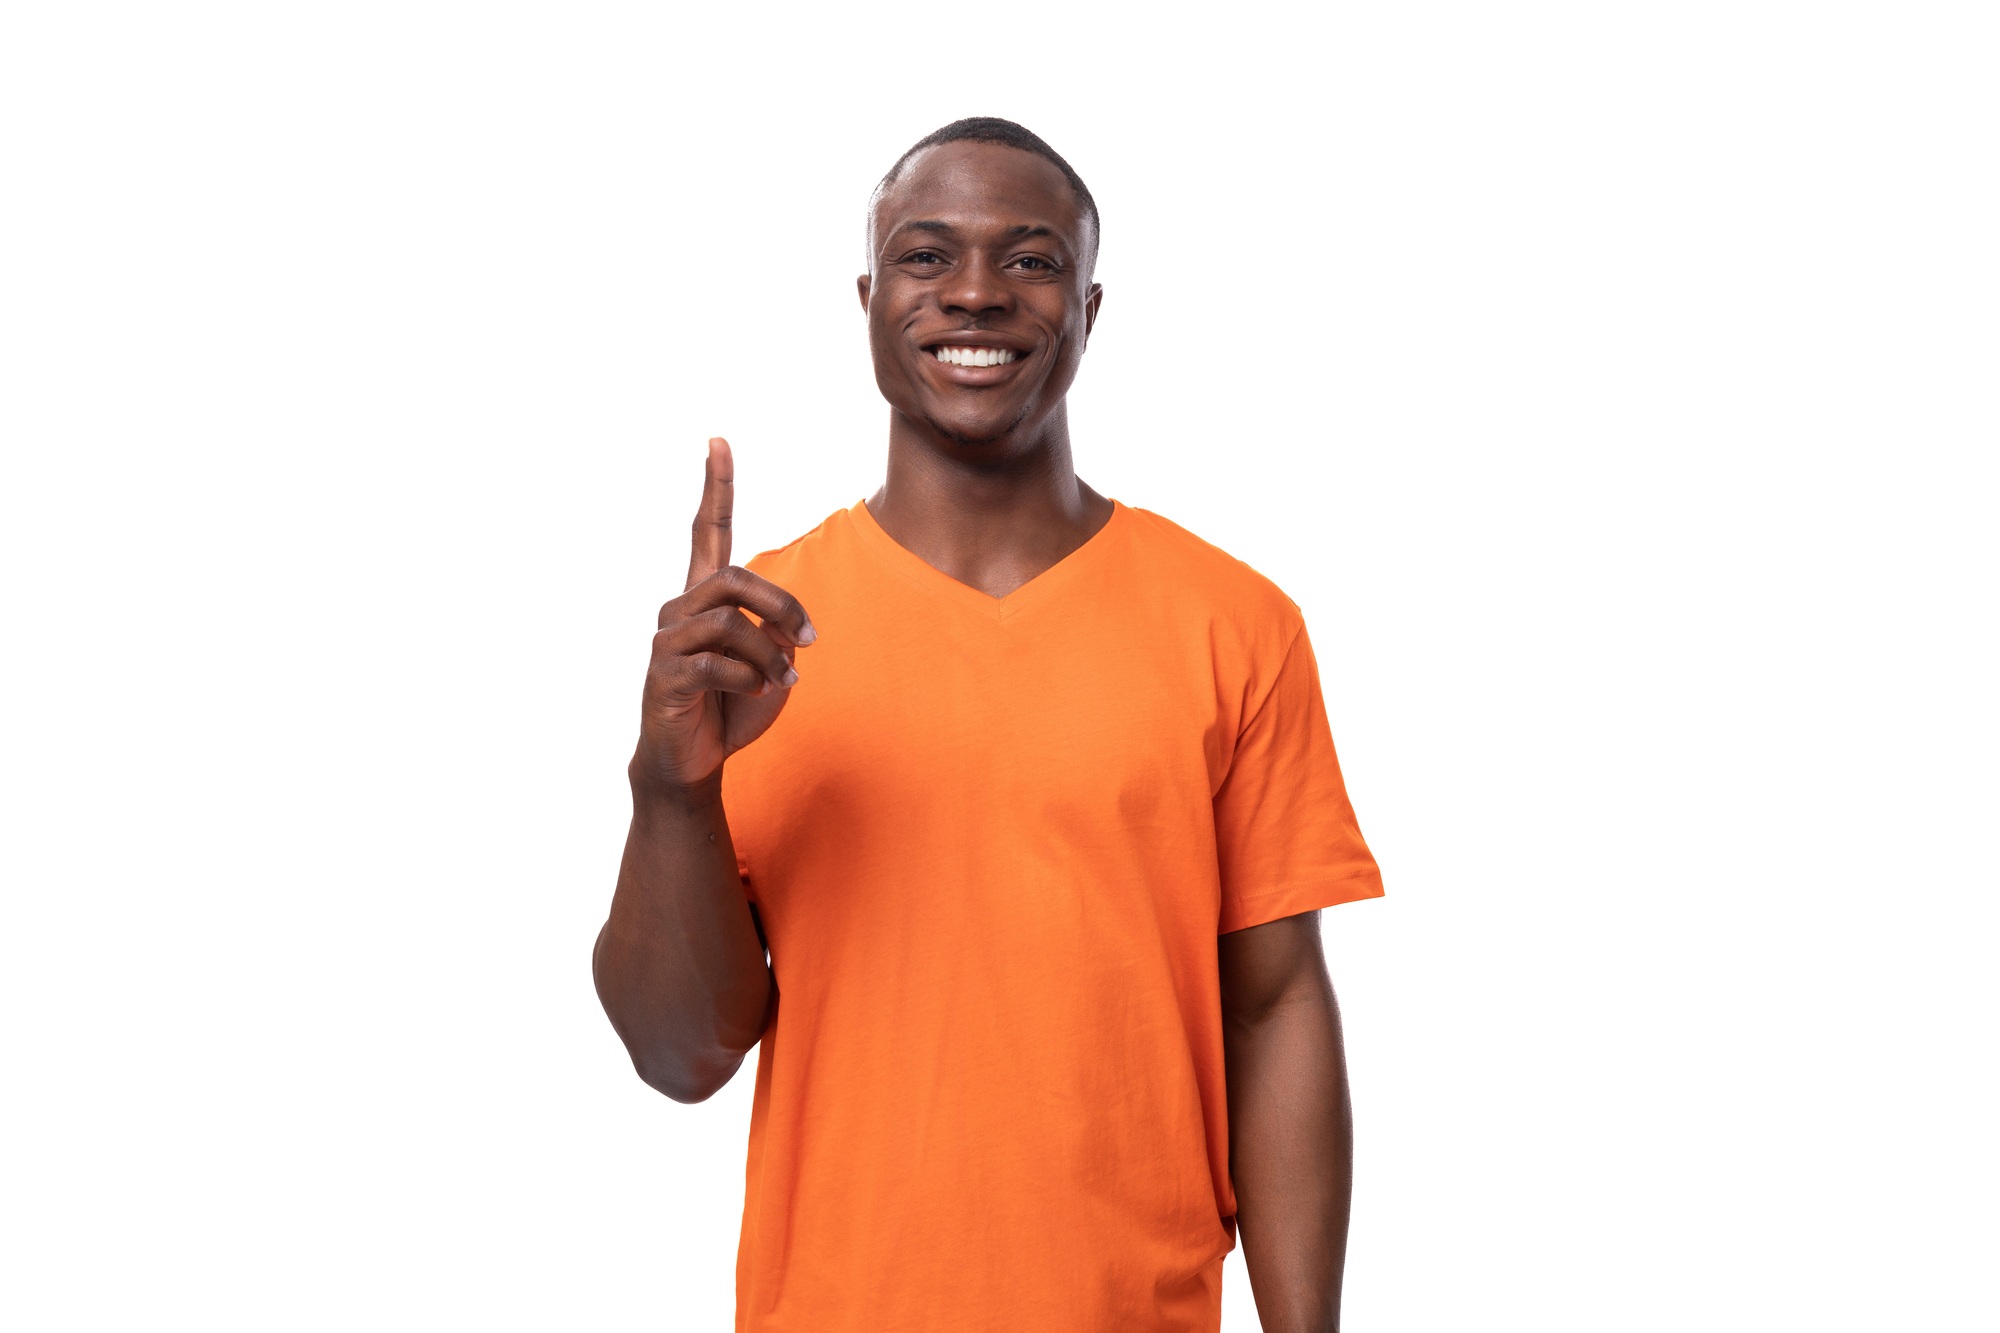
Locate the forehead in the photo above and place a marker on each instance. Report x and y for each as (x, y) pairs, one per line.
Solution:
(980, 185)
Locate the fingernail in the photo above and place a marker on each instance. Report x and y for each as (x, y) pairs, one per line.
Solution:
(789, 679)
(808, 634)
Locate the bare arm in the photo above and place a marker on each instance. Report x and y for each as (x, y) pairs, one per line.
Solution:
(680, 963)
(1291, 1129)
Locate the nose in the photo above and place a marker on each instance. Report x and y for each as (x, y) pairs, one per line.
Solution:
(977, 288)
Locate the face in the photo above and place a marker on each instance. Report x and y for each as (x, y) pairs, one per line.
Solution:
(981, 299)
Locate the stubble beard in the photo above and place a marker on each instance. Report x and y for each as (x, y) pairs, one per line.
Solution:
(966, 439)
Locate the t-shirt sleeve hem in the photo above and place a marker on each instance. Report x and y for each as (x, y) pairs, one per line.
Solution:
(1293, 899)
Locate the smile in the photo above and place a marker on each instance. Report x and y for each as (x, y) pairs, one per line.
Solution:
(975, 356)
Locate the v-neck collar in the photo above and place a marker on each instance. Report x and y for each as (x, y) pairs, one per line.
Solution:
(920, 572)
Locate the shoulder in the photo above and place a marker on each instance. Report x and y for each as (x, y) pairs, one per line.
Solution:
(802, 555)
(1204, 579)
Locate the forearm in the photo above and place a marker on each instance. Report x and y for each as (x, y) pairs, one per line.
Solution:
(679, 966)
(1292, 1156)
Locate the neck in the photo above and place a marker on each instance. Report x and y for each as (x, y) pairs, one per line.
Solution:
(992, 515)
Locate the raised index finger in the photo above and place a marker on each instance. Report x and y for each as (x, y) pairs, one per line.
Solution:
(711, 521)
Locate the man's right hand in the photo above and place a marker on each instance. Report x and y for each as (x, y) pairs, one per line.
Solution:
(718, 679)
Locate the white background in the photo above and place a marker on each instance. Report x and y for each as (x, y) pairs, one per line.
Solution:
(1614, 386)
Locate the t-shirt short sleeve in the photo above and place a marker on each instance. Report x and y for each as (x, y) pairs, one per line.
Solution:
(1286, 837)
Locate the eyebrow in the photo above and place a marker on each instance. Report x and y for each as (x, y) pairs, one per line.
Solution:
(935, 228)
(1021, 231)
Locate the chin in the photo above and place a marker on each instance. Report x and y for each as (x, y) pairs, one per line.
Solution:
(969, 437)
(975, 432)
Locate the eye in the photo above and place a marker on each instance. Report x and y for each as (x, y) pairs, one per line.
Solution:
(924, 257)
(1034, 263)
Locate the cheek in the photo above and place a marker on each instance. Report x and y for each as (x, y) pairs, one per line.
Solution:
(881, 343)
(1069, 344)
(1069, 325)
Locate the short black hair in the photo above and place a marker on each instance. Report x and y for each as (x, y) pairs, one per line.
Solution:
(992, 129)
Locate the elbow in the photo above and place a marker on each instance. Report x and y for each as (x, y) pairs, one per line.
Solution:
(680, 1085)
(680, 1055)
(687, 1081)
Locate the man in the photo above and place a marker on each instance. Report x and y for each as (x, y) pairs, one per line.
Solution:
(1030, 797)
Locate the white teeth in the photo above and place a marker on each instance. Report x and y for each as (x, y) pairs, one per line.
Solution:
(975, 356)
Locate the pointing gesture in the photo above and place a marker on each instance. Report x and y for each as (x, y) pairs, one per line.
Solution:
(717, 679)
(711, 521)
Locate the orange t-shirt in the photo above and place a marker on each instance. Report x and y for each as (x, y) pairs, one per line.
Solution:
(992, 842)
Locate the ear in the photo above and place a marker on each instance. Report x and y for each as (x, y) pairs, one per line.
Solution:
(861, 285)
(1090, 304)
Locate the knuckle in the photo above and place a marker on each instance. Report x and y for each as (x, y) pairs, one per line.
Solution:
(674, 647)
(668, 676)
(719, 619)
